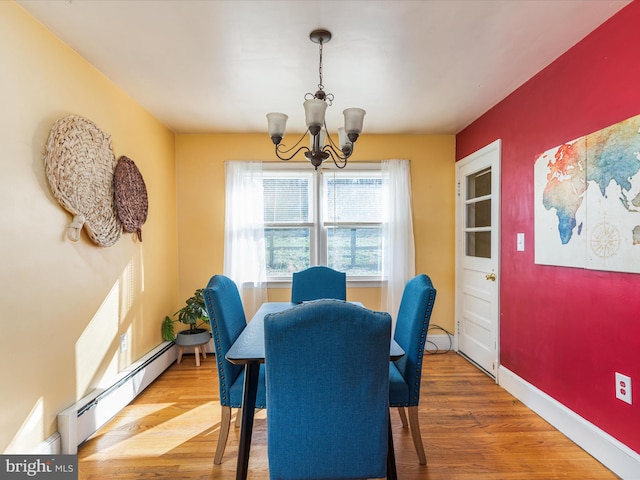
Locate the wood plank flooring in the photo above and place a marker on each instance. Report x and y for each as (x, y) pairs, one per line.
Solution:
(472, 430)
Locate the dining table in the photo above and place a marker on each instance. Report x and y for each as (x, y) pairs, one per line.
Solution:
(248, 350)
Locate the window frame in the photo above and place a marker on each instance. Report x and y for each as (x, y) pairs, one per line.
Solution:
(318, 254)
(292, 168)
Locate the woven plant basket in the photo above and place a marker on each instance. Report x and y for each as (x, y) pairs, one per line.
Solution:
(79, 164)
(132, 204)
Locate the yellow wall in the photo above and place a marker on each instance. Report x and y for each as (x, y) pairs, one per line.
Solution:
(201, 206)
(64, 304)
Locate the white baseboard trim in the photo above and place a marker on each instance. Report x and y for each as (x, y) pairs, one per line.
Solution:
(79, 421)
(612, 453)
(439, 343)
(49, 446)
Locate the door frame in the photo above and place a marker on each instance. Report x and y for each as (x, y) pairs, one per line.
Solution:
(459, 238)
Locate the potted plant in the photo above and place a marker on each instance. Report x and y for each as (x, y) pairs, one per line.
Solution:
(194, 314)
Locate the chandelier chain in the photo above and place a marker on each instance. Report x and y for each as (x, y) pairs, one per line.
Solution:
(320, 85)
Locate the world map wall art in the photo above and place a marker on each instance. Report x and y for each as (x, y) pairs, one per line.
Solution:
(587, 201)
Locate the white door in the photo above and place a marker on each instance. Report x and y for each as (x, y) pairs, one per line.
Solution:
(477, 254)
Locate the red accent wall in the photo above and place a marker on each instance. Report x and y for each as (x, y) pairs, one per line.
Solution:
(567, 330)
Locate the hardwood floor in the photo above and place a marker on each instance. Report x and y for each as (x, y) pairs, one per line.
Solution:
(472, 429)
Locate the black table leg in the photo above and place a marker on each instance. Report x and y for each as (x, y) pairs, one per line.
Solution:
(391, 456)
(251, 374)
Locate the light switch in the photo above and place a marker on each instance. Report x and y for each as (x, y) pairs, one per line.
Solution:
(520, 242)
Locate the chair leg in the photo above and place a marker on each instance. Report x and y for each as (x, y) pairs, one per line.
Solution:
(225, 422)
(403, 417)
(238, 418)
(391, 456)
(415, 434)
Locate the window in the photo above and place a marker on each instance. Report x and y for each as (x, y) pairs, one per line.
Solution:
(478, 214)
(352, 217)
(289, 221)
(329, 217)
(357, 220)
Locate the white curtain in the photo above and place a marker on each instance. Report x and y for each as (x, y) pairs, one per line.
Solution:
(398, 252)
(244, 257)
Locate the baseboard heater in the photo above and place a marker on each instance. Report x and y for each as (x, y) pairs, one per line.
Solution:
(82, 419)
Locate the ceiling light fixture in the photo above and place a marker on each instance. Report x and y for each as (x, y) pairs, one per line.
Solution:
(315, 106)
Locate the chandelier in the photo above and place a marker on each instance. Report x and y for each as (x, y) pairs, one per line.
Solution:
(315, 105)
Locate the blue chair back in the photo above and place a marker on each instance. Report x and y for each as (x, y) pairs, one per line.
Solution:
(327, 374)
(318, 282)
(227, 319)
(411, 328)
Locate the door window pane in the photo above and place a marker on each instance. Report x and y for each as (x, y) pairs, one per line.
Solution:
(479, 214)
(479, 184)
(478, 244)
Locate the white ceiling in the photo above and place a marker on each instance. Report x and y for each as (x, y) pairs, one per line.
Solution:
(429, 66)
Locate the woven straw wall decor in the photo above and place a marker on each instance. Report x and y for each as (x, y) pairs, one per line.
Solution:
(132, 204)
(79, 164)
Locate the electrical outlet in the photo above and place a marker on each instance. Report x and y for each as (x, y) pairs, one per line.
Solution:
(520, 242)
(123, 342)
(623, 387)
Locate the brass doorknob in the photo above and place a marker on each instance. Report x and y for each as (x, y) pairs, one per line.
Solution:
(490, 276)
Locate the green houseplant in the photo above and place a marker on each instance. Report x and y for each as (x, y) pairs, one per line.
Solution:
(194, 314)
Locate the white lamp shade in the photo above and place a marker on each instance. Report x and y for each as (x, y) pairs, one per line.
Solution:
(343, 140)
(277, 123)
(353, 119)
(314, 110)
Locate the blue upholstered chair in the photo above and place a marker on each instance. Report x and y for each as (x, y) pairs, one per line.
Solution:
(411, 334)
(227, 319)
(327, 370)
(318, 282)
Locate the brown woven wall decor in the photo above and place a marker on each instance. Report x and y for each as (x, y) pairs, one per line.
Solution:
(132, 204)
(79, 164)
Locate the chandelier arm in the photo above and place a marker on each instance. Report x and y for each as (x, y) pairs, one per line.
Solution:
(337, 151)
(280, 150)
(339, 160)
(303, 147)
(330, 140)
